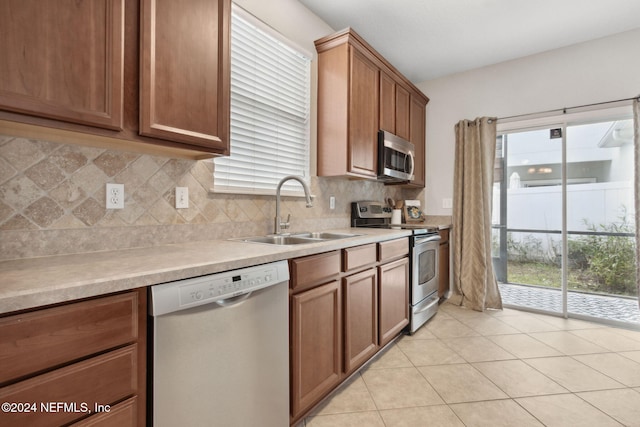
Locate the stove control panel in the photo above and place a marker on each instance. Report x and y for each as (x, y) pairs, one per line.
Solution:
(370, 210)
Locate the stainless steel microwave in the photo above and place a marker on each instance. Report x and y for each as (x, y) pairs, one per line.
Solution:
(395, 158)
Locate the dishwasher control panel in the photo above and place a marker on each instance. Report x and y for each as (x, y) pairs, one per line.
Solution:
(174, 296)
(226, 286)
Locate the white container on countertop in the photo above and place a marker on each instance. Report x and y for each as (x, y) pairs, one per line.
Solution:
(396, 216)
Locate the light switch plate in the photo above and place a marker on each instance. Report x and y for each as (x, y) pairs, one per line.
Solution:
(182, 197)
(447, 203)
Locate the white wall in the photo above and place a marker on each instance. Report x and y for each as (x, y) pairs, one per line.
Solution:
(290, 18)
(602, 70)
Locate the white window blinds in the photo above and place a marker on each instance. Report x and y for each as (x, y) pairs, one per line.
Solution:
(270, 90)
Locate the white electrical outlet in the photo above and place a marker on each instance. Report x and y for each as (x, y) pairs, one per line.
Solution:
(447, 203)
(332, 202)
(115, 196)
(182, 197)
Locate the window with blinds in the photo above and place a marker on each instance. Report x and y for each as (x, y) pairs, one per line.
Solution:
(270, 92)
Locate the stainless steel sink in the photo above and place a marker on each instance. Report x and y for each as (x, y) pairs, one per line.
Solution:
(325, 235)
(280, 240)
(297, 238)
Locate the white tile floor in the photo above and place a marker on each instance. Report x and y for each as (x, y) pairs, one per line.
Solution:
(498, 368)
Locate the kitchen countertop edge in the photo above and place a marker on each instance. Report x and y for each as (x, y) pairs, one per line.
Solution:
(36, 282)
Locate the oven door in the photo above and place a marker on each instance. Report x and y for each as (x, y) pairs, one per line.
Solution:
(424, 277)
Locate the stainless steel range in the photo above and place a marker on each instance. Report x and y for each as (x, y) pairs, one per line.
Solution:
(423, 252)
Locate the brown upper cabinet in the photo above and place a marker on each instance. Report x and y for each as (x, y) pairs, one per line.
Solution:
(417, 110)
(394, 107)
(184, 74)
(359, 93)
(347, 113)
(118, 73)
(63, 60)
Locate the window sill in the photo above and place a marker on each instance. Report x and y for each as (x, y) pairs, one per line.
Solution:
(247, 192)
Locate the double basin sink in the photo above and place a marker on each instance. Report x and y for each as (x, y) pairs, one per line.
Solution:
(297, 238)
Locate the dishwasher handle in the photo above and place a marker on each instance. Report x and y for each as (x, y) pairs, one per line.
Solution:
(230, 302)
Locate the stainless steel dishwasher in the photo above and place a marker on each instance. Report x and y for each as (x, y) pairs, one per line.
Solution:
(221, 349)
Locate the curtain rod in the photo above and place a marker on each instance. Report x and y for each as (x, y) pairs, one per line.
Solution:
(564, 110)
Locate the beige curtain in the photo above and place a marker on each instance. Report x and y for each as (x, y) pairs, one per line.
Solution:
(636, 143)
(474, 282)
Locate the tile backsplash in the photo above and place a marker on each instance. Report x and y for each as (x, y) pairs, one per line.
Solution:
(52, 201)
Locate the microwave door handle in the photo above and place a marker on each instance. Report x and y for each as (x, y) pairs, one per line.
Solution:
(412, 163)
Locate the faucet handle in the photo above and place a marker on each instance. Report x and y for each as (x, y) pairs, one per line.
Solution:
(285, 224)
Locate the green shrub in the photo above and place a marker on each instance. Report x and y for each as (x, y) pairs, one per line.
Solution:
(526, 249)
(611, 259)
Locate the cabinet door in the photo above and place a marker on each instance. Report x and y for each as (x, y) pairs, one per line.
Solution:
(387, 103)
(394, 299)
(443, 264)
(394, 107)
(185, 71)
(316, 344)
(417, 110)
(360, 318)
(402, 113)
(63, 60)
(363, 116)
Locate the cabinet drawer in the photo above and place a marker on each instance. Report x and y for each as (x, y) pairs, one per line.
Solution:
(122, 415)
(314, 270)
(359, 256)
(102, 380)
(35, 341)
(393, 249)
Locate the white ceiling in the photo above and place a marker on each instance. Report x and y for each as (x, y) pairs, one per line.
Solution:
(426, 39)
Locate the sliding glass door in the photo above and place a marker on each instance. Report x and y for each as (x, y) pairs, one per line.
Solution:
(601, 273)
(563, 219)
(527, 218)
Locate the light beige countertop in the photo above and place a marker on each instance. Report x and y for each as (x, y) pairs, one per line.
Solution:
(439, 221)
(34, 282)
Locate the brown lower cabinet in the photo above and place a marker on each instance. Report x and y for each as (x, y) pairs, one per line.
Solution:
(316, 344)
(443, 266)
(78, 362)
(360, 318)
(394, 299)
(342, 314)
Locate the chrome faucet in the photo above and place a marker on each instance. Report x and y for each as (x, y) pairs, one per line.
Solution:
(279, 224)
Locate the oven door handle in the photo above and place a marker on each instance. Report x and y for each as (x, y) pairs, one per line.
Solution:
(426, 239)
